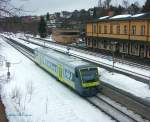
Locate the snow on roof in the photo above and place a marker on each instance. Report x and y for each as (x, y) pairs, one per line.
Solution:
(104, 17)
(138, 15)
(121, 16)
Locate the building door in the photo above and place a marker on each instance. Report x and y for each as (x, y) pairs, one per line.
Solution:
(142, 51)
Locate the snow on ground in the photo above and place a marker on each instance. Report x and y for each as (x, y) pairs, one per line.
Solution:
(33, 95)
(99, 59)
(121, 81)
(125, 83)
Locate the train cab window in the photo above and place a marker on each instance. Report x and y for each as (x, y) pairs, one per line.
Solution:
(89, 74)
(133, 31)
(143, 30)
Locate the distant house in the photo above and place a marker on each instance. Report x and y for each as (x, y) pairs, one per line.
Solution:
(65, 14)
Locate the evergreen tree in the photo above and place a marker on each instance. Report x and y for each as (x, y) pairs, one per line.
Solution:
(146, 7)
(47, 16)
(42, 28)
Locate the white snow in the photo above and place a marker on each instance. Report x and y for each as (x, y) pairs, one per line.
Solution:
(41, 97)
(99, 59)
(118, 80)
(121, 16)
(104, 17)
(125, 83)
(44, 83)
(138, 15)
(32, 46)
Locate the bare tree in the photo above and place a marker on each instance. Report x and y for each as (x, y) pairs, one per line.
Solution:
(126, 4)
(16, 95)
(30, 89)
(7, 9)
(99, 3)
(108, 3)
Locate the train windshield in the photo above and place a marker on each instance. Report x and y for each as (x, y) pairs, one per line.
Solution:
(89, 74)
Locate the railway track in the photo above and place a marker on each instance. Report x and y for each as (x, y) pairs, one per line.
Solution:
(109, 67)
(111, 110)
(102, 104)
(102, 56)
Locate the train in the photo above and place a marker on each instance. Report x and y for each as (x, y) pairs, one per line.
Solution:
(128, 35)
(76, 73)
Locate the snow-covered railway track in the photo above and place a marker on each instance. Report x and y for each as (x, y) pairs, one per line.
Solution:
(135, 104)
(109, 67)
(99, 55)
(22, 50)
(108, 91)
(111, 110)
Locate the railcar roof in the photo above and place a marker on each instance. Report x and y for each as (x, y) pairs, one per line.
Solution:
(63, 58)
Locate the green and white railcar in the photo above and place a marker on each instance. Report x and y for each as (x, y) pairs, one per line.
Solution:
(79, 75)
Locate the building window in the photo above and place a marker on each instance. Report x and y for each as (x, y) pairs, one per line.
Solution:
(149, 51)
(124, 47)
(94, 43)
(134, 48)
(143, 30)
(118, 29)
(125, 29)
(111, 29)
(105, 45)
(99, 28)
(133, 31)
(105, 29)
(94, 28)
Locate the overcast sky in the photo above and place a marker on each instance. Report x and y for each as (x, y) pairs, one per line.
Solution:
(39, 7)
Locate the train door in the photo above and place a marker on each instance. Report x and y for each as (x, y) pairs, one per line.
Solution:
(60, 76)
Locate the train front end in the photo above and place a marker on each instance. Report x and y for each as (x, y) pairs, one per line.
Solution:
(89, 80)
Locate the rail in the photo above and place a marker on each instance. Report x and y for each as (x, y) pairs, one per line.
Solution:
(136, 104)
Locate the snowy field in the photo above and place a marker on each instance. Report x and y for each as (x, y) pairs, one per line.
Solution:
(33, 95)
